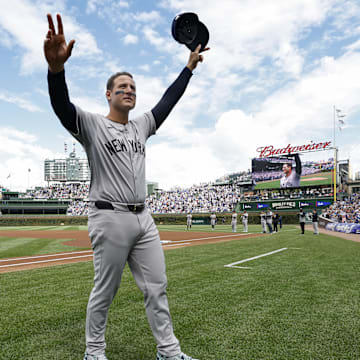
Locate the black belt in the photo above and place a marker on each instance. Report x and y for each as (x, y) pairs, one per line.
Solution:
(104, 205)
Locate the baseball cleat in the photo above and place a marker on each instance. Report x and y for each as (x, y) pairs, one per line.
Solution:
(180, 356)
(95, 357)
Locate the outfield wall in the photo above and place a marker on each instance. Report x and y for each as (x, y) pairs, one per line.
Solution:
(285, 205)
(203, 219)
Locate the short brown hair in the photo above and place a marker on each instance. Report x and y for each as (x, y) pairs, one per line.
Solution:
(110, 82)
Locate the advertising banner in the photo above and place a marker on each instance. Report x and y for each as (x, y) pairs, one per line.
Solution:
(323, 203)
(250, 206)
(347, 228)
(306, 204)
(262, 206)
(283, 205)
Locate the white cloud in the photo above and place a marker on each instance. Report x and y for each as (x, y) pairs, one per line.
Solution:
(91, 104)
(21, 102)
(130, 39)
(19, 151)
(301, 111)
(94, 5)
(16, 18)
(148, 17)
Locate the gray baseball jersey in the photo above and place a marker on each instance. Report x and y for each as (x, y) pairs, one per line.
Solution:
(213, 219)
(302, 217)
(293, 180)
(234, 218)
(269, 217)
(116, 155)
(245, 217)
(189, 218)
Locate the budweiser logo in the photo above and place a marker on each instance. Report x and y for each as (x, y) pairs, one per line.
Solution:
(271, 151)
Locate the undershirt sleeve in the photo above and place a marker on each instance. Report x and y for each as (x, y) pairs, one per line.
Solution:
(60, 101)
(171, 97)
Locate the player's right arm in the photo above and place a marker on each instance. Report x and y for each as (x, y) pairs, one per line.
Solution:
(57, 52)
(298, 164)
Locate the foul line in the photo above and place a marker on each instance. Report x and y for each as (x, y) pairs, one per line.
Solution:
(207, 238)
(178, 244)
(44, 261)
(49, 255)
(252, 258)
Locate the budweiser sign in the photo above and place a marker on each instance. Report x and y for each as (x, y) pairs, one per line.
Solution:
(267, 151)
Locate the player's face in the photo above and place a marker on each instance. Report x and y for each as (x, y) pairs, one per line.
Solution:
(286, 169)
(123, 94)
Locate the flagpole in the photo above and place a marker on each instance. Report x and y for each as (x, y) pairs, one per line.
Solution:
(334, 130)
(335, 162)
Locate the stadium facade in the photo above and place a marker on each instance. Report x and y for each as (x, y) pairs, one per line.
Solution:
(70, 169)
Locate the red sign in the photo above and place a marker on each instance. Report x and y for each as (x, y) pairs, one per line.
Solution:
(269, 150)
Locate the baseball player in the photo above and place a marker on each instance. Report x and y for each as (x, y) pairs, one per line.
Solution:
(302, 219)
(269, 218)
(234, 221)
(276, 221)
(263, 221)
(188, 221)
(315, 222)
(245, 217)
(120, 227)
(213, 221)
(291, 178)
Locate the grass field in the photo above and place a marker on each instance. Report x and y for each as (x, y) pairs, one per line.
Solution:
(309, 180)
(300, 303)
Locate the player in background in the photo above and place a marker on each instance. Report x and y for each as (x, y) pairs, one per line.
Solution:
(245, 218)
(213, 221)
(315, 222)
(276, 221)
(291, 178)
(234, 221)
(302, 218)
(263, 221)
(269, 220)
(121, 228)
(188, 221)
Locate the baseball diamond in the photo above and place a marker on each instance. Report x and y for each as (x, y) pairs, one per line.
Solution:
(319, 277)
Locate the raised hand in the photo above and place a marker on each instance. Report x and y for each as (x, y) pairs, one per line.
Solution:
(195, 57)
(55, 48)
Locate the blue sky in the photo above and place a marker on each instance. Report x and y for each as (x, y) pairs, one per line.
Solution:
(272, 77)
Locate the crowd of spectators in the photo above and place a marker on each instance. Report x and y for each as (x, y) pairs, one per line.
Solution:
(76, 192)
(345, 211)
(285, 194)
(78, 208)
(204, 198)
(59, 191)
(197, 199)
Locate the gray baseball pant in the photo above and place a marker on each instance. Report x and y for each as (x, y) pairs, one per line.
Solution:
(120, 236)
(316, 227)
(245, 224)
(233, 226)
(263, 224)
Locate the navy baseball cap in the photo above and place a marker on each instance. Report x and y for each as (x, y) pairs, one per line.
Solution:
(187, 29)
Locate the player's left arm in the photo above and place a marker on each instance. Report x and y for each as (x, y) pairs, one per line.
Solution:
(176, 89)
